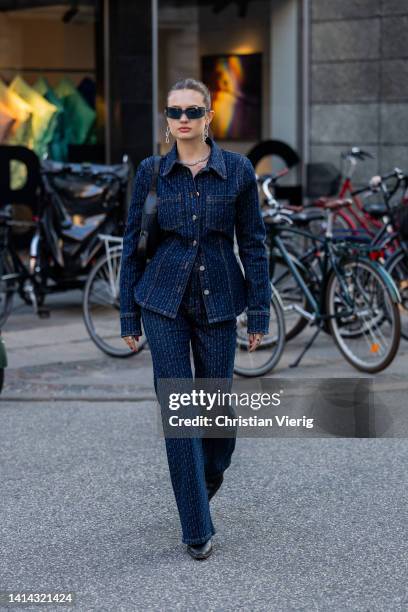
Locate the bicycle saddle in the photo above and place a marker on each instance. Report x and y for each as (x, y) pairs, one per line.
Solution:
(375, 209)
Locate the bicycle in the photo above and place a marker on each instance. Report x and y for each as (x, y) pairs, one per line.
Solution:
(345, 293)
(356, 217)
(75, 201)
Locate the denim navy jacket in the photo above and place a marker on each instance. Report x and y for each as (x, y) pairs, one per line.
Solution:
(199, 215)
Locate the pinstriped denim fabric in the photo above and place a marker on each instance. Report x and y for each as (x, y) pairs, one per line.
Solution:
(213, 346)
(198, 214)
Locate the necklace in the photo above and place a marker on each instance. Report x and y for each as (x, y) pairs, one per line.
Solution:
(196, 162)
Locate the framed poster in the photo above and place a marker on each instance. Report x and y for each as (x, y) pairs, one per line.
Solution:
(235, 83)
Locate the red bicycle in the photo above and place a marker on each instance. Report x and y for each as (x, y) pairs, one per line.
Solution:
(355, 217)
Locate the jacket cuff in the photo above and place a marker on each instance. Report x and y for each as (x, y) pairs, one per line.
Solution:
(130, 325)
(258, 322)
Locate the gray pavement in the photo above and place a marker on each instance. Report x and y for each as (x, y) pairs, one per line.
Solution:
(87, 504)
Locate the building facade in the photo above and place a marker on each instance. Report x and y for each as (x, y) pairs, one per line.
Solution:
(318, 75)
(358, 75)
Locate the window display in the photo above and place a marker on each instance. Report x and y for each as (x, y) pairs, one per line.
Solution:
(47, 99)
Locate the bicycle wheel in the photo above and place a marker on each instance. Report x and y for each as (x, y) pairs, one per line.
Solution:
(101, 307)
(397, 266)
(267, 355)
(365, 322)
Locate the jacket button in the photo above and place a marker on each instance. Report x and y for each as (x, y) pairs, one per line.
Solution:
(194, 217)
(206, 291)
(202, 268)
(194, 242)
(198, 193)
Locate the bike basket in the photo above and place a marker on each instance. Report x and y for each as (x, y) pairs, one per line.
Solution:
(84, 195)
(401, 220)
(323, 179)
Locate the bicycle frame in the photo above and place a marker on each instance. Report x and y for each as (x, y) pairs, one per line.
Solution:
(356, 217)
(329, 262)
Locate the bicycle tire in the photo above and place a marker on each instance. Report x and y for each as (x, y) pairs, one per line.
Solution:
(397, 266)
(278, 346)
(392, 315)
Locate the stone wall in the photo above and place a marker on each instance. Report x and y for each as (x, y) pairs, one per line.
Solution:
(359, 81)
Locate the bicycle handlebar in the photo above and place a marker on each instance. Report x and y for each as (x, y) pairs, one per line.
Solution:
(396, 173)
(357, 153)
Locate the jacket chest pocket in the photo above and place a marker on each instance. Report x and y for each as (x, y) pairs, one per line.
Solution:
(220, 212)
(169, 212)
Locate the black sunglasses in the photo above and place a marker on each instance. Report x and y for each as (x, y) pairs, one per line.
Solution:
(192, 112)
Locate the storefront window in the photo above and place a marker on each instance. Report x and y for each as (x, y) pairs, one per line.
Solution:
(48, 81)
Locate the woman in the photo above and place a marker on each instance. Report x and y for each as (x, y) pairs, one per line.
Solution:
(193, 288)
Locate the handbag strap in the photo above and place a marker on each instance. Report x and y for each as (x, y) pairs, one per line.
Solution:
(155, 174)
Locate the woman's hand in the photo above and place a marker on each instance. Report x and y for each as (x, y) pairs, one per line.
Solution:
(254, 341)
(131, 342)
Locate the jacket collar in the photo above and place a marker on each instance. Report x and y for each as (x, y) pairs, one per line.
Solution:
(215, 161)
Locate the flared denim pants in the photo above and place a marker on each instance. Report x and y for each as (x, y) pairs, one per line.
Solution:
(213, 345)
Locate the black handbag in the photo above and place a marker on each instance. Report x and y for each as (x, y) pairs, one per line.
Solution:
(149, 236)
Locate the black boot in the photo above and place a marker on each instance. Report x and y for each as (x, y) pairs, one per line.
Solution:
(200, 551)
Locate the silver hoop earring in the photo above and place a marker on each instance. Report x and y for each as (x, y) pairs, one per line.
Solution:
(205, 133)
(167, 134)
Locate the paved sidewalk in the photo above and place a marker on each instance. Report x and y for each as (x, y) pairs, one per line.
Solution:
(87, 503)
